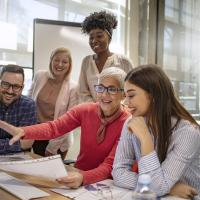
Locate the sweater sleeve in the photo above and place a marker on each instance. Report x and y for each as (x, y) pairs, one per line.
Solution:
(34, 82)
(54, 129)
(73, 98)
(102, 172)
(64, 142)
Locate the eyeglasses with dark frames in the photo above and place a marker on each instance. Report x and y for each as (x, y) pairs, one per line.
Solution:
(110, 89)
(15, 87)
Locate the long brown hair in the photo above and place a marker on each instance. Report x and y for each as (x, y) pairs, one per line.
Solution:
(164, 104)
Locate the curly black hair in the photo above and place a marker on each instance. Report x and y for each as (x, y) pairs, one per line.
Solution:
(102, 20)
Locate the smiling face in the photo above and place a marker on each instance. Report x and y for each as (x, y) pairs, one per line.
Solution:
(137, 99)
(9, 93)
(99, 40)
(110, 103)
(60, 65)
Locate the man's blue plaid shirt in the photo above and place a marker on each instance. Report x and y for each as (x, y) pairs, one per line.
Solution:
(22, 112)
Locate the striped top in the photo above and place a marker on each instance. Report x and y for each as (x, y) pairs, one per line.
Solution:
(182, 162)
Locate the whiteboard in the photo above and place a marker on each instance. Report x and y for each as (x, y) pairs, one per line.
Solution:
(50, 34)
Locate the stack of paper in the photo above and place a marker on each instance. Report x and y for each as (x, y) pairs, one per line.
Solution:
(48, 167)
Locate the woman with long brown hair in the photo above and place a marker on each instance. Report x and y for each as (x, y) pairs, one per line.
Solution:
(161, 135)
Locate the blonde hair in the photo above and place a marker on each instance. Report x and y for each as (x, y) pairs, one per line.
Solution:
(61, 50)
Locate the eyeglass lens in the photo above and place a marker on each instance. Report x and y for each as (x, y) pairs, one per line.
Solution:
(110, 89)
(6, 85)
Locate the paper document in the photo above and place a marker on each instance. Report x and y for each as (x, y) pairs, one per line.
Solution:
(102, 190)
(97, 191)
(19, 188)
(50, 167)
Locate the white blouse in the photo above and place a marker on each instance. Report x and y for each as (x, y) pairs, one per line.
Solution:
(89, 75)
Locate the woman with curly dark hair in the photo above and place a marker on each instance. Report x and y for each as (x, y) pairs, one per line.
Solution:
(99, 26)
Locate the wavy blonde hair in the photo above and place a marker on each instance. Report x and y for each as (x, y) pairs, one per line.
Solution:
(61, 50)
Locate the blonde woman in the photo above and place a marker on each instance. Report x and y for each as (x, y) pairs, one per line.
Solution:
(54, 94)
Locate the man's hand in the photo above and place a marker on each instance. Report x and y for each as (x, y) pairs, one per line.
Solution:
(73, 180)
(183, 191)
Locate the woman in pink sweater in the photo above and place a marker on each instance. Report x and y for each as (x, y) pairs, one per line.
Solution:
(100, 123)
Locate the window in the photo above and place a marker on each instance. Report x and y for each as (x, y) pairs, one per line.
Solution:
(16, 24)
(181, 50)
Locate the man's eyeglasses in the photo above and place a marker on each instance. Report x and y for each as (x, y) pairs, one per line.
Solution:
(110, 89)
(15, 87)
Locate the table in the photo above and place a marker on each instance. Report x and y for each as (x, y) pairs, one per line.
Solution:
(42, 184)
(4, 195)
(46, 185)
